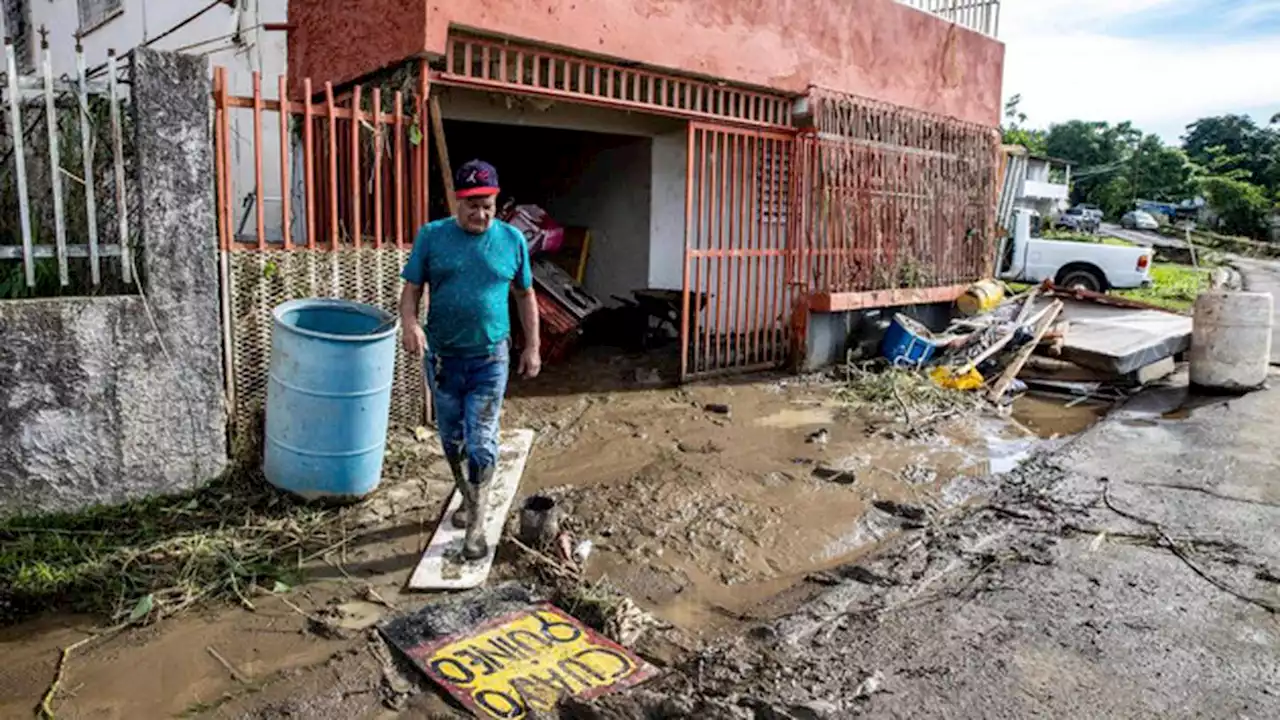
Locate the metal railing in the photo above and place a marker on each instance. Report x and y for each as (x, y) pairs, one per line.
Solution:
(507, 67)
(978, 15)
(53, 172)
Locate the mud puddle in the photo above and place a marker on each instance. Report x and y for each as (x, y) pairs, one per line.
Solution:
(164, 671)
(1051, 417)
(707, 518)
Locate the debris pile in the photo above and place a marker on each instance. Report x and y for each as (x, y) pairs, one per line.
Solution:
(1075, 343)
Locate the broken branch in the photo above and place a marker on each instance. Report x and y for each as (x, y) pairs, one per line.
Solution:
(1182, 554)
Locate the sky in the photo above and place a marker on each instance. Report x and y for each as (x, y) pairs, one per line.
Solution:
(1160, 63)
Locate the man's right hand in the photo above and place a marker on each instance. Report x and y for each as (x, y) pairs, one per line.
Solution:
(414, 340)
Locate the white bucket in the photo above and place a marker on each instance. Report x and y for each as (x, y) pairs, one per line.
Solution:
(1231, 340)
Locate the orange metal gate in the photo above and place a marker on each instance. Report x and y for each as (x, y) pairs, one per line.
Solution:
(740, 283)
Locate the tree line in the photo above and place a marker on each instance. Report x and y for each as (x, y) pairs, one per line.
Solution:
(1229, 160)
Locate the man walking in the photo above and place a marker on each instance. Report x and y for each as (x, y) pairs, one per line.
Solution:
(465, 267)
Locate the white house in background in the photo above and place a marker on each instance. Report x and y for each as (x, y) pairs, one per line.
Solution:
(1046, 185)
(242, 35)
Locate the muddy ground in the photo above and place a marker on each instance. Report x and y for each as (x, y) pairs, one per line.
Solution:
(714, 522)
(1133, 573)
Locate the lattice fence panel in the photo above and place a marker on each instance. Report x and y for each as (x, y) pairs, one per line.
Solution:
(261, 280)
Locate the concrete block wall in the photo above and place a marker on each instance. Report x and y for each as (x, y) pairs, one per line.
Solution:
(108, 399)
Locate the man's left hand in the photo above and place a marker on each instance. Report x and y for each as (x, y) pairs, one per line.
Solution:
(530, 363)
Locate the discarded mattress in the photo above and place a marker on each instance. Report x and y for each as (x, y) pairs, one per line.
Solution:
(1118, 340)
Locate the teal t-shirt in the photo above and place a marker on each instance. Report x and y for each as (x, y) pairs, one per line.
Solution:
(468, 279)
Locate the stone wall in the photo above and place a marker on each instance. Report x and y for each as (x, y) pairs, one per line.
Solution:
(108, 399)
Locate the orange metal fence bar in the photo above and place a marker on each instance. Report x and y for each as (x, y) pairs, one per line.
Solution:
(261, 206)
(356, 229)
(399, 169)
(333, 166)
(223, 179)
(284, 167)
(340, 197)
(377, 167)
(309, 162)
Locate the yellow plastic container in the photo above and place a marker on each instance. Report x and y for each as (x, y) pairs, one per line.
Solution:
(947, 378)
(981, 297)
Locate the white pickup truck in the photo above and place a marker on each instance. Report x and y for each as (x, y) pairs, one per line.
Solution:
(1092, 266)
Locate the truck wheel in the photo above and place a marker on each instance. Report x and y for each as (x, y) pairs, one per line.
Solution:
(1085, 277)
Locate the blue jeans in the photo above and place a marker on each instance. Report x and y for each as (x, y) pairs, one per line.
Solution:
(467, 392)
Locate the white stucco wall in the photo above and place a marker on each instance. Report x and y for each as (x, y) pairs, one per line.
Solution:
(611, 196)
(667, 212)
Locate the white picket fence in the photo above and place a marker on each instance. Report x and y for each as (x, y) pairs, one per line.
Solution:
(22, 93)
(978, 15)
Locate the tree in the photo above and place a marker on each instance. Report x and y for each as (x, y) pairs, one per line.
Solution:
(1100, 153)
(1013, 132)
(1242, 207)
(1158, 172)
(1252, 148)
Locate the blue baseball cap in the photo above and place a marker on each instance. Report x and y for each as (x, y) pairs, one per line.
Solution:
(475, 177)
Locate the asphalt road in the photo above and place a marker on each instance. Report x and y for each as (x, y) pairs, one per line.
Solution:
(1141, 237)
(1264, 276)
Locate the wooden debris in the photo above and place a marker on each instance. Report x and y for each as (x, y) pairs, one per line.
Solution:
(1045, 321)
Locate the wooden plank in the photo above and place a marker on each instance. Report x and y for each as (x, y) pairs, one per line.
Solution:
(442, 154)
(441, 566)
(1011, 371)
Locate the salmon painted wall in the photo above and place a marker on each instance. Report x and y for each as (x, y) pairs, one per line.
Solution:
(874, 48)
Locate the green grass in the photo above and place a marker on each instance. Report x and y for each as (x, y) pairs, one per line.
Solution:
(148, 559)
(1174, 287)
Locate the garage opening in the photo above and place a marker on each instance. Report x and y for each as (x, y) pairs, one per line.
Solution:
(587, 182)
(612, 184)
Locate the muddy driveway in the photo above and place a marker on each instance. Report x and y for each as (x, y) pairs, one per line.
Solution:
(712, 507)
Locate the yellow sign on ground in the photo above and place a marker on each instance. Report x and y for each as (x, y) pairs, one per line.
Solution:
(528, 660)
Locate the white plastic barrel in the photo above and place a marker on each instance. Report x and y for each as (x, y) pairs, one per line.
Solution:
(1231, 340)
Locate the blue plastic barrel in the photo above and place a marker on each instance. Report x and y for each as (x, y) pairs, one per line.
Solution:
(907, 342)
(329, 397)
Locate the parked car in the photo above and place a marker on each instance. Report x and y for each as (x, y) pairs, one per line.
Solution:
(1139, 220)
(1091, 210)
(1091, 266)
(1079, 220)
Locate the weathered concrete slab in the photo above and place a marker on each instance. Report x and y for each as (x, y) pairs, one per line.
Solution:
(107, 399)
(1121, 340)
